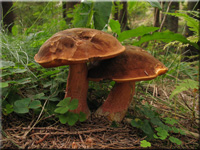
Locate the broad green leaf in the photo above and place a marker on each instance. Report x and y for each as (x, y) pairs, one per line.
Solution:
(175, 140)
(73, 104)
(72, 118)
(82, 117)
(21, 106)
(155, 3)
(166, 36)
(62, 110)
(63, 118)
(115, 26)
(6, 64)
(145, 143)
(3, 84)
(101, 14)
(140, 31)
(35, 104)
(64, 102)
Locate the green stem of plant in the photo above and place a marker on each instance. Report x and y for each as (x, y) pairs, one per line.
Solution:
(90, 15)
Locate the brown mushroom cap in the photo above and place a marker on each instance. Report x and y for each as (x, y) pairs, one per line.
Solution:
(134, 64)
(77, 45)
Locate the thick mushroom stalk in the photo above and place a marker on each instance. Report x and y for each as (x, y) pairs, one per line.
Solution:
(118, 101)
(77, 87)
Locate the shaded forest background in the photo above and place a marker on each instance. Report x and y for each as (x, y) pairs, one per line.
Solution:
(167, 106)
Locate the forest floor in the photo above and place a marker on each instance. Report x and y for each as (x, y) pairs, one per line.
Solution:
(95, 133)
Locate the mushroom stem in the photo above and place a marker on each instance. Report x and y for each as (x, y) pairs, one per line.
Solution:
(117, 102)
(77, 87)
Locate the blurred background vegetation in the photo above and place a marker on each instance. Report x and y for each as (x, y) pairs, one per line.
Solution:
(26, 86)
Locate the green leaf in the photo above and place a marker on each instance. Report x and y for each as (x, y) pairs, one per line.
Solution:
(140, 31)
(155, 3)
(8, 109)
(82, 117)
(21, 106)
(136, 123)
(101, 14)
(185, 85)
(64, 102)
(38, 96)
(166, 36)
(17, 70)
(23, 81)
(182, 132)
(73, 104)
(163, 134)
(14, 30)
(170, 120)
(175, 130)
(175, 140)
(62, 110)
(72, 118)
(157, 121)
(6, 64)
(155, 136)
(35, 104)
(115, 26)
(3, 84)
(145, 143)
(148, 112)
(147, 129)
(81, 16)
(63, 118)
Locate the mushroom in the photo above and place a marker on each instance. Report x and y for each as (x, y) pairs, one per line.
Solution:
(75, 47)
(134, 64)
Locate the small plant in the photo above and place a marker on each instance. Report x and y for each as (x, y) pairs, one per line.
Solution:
(145, 143)
(155, 128)
(65, 116)
(187, 85)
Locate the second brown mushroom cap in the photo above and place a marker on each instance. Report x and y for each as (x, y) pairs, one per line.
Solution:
(135, 64)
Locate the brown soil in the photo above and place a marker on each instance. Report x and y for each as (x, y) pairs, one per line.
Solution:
(95, 133)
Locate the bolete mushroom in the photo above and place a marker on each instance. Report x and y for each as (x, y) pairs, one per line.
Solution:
(75, 47)
(134, 64)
